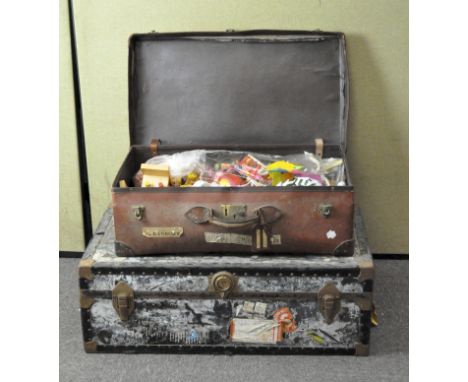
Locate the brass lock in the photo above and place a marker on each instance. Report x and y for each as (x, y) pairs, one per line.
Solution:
(234, 211)
(123, 300)
(329, 302)
(222, 283)
(138, 211)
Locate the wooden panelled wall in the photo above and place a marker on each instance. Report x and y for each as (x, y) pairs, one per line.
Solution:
(377, 41)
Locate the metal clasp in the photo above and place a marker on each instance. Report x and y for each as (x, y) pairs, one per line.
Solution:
(138, 211)
(234, 211)
(222, 283)
(329, 302)
(123, 300)
(325, 209)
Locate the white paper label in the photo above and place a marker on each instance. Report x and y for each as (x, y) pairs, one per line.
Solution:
(255, 331)
(228, 238)
(331, 234)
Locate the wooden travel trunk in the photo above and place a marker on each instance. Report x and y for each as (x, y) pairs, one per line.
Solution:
(225, 304)
(277, 92)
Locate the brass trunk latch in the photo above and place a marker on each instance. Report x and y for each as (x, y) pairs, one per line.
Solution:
(329, 302)
(123, 300)
(223, 283)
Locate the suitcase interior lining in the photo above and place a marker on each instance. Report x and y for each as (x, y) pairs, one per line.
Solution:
(238, 88)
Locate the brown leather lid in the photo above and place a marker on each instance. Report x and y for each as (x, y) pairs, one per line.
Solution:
(250, 88)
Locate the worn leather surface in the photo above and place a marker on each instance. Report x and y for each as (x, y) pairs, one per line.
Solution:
(301, 228)
(248, 88)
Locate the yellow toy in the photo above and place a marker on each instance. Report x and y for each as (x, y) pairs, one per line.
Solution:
(155, 175)
(190, 179)
(281, 170)
(282, 166)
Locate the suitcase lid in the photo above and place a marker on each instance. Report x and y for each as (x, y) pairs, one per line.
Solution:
(243, 89)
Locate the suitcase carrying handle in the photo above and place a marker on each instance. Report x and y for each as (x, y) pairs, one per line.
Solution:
(262, 216)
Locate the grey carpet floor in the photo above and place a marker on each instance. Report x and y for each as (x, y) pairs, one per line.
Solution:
(388, 360)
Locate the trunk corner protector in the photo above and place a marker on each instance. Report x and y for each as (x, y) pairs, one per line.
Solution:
(366, 270)
(86, 301)
(90, 346)
(361, 350)
(364, 301)
(85, 269)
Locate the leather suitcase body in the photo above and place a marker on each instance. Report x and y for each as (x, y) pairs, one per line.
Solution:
(263, 91)
(296, 304)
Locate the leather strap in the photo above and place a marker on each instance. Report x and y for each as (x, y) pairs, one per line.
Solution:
(154, 146)
(319, 147)
(263, 216)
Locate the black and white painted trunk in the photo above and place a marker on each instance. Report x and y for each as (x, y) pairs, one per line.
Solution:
(276, 306)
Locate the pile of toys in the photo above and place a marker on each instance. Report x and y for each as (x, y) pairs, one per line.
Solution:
(217, 168)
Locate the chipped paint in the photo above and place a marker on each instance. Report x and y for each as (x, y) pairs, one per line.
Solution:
(173, 304)
(245, 284)
(174, 321)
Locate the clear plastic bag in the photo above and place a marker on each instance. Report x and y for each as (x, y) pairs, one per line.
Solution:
(222, 168)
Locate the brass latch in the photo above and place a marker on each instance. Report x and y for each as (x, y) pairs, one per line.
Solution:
(325, 209)
(329, 302)
(123, 300)
(138, 212)
(234, 211)
(222, 283)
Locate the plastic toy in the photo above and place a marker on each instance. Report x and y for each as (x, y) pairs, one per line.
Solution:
(229, 180)
(155, 175)
(281, 171)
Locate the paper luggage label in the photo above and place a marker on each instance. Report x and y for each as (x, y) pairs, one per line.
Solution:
(228, 238)
(259, 330)
(236, 238)
(254, 308)
(255, 330)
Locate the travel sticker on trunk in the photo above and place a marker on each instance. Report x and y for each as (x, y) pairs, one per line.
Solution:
(259, 330)
(255, 330)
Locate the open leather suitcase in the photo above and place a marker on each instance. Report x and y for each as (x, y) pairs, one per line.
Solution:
(225, 304)
(263, 91)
